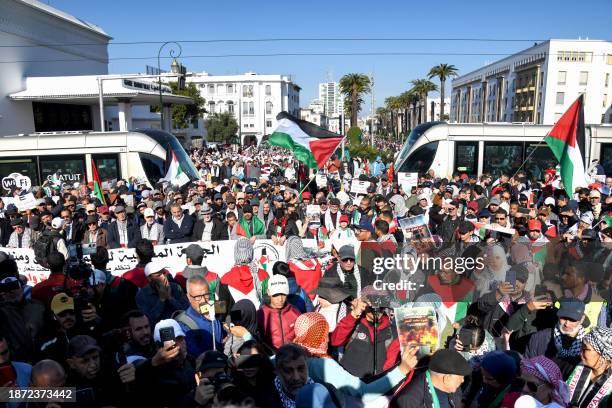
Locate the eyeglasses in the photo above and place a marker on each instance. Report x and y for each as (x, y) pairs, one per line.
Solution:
(593, 198)
(198, 298)
(348, 260)
(500, 218)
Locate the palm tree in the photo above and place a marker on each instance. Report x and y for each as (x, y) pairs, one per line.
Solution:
(382, 113)
(443, 72)
(423, 87)
(353, 86)
(393, 105)
(405, 101)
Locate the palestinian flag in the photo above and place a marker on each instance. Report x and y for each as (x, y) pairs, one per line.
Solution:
(175, 174)
(97, 185)
(310, 144)
(565, 140)
(608, 220)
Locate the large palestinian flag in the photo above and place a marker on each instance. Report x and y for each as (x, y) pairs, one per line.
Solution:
(310, 144)
(565, 140)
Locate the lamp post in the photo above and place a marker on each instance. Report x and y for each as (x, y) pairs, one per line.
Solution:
(174, 68)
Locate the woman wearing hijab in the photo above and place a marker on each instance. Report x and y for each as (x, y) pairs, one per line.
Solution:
(307, 270)
(543, 382)
(590, 384)
(312, 333)
(494, 272)
(243, 314)
(498, 370)
(246, 280)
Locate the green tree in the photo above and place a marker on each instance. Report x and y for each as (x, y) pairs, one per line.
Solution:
(221, 127)
(393, 105)
(354, 86)
(422, 87)
(442, 72)
(183, 115)
(354, 136)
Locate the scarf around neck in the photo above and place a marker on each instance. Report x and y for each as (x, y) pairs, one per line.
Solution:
(574, 349)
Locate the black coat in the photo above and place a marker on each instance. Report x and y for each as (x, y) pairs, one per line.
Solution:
(176, 234)
(218, 233)
(416, 394)
(133, 233)
(5, 231)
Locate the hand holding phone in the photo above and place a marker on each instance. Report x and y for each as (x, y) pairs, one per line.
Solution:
(167, 337)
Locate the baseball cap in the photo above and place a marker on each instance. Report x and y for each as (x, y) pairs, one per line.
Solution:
(162, 324)
(119, 209)
(81, 345)
(494, 201)
(571, 308)
(57, 223)
(306, 195)
(91, 219)
(61, 302)
(193, 251)
(549, 201)
(365, 224)
(212, 359)
(594, 193)
(153, 267)
(278, 285)
(103, 209)
(473, 205)
(484, 213)
(587, 218)
(148, 212)
(344, 218)
(247, 208)
(534, 225)
(278, 198)
(347, 252)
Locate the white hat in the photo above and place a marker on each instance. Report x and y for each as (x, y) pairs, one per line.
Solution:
(278, 285)
(587, 218)
(145, 194)
(549, 201)
(162, 324)
(153, 267)
(57, 223)
(423, 196)
(148, 212)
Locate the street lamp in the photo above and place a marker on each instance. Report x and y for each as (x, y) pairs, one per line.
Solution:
(175, 69)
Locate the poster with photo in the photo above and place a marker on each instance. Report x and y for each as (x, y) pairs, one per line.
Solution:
(416, 228)
(417, 325)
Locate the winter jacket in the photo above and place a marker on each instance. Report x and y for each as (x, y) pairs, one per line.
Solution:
(23, 324)
(218, 233)
(113, 234)
(175, 234)
(199, 332)
(155, 234)
(276, 326)
(414, 393)
(148, 302)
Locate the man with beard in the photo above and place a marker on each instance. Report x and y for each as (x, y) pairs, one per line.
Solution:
(141, 340)
(562, 343)
(152, 230)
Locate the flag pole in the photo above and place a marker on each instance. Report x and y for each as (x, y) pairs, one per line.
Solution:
(529, 157)
(328, 157)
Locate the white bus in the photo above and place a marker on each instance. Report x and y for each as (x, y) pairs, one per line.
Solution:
(142, 153)
(491, 148)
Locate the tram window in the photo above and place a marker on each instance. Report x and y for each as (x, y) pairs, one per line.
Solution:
(107, 166)
(24, 166)
(63, 169)
(420, 161)
(466, 157)
(153, 167)
(605, 157)
(502, 157)
(541, 159)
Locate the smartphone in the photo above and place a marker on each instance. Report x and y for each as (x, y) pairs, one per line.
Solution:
(511, 277)
(465, 337)
(166, 336)
(7, 374)
(540, 290)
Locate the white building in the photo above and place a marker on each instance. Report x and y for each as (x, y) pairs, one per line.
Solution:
(317, 118)
(538, 84)
(54, 85)
(333, 100)
(254, 99)
(317, 106)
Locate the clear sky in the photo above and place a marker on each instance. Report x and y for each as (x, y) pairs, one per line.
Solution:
(153, 20)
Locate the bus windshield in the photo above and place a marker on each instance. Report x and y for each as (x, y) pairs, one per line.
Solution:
(411, 139)
(155, 167)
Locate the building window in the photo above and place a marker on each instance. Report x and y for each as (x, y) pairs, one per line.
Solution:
(268, 123)
(230, 106)
(269, 108)
(211, 107)
(560, 98)
(607, 80)
(220, 88)
(247, 91)
(229, 88)
(251, 108)
(561, 77)
(245, 126)
(268, 90)
(584, 78)
(211, 89)
(245, 108)
(252, 125)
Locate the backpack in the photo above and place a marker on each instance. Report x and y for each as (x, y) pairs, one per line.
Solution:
(44, 245)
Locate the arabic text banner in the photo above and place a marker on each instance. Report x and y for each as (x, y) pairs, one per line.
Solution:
(218, 257)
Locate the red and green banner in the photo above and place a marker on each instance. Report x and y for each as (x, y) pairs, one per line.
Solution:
(565, 139)
(310, 144)
(97, 185)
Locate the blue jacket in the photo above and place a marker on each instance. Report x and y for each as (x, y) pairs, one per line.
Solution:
(200, 339)
(377, 168)
(176, 235)
(148, 302)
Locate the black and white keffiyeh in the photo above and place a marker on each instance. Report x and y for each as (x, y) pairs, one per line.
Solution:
(286, 400)
(574, 349)
(600, 338)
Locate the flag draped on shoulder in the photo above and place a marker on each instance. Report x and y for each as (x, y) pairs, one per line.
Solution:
(310, 144)
(565, 139)
(97, 185)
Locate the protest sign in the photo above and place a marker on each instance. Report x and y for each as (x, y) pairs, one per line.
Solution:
(415, 228)
(359, 187)
(25, 202)
(407, 180)
(417, 326)
(321, 180)
(312, 209)
(218, 257)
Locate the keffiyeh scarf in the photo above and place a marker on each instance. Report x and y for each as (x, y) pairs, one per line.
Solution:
(286, 400)
(574, 350)
(546, 370)
(600, 338)
(343, 309)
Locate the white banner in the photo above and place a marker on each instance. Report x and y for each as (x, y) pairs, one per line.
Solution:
(218, 257)
(359, 187)
(407, 180)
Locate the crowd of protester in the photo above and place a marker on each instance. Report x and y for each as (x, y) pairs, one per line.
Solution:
(529, 326)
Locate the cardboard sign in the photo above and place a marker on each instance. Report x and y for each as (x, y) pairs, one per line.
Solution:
(16, 180)
(321, 180)
(407, 180)
(313, 209)
(25, 202)
(359, 187)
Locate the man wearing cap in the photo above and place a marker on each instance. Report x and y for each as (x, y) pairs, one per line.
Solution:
(62, 307)
(160, 298)
(277, 318)
(250, 226)
(122, 232)
(209, 228)
(150, 229)
(21, 237)
(436, 387)
(364, 231)
(194, 256)
(94, 234)
(332, 215)
(534, 232)
(345, 272)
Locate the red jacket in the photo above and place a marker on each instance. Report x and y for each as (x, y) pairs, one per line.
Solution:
(276, 326)
(345, 327)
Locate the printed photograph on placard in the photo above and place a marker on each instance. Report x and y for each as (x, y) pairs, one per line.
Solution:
(417, 326)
